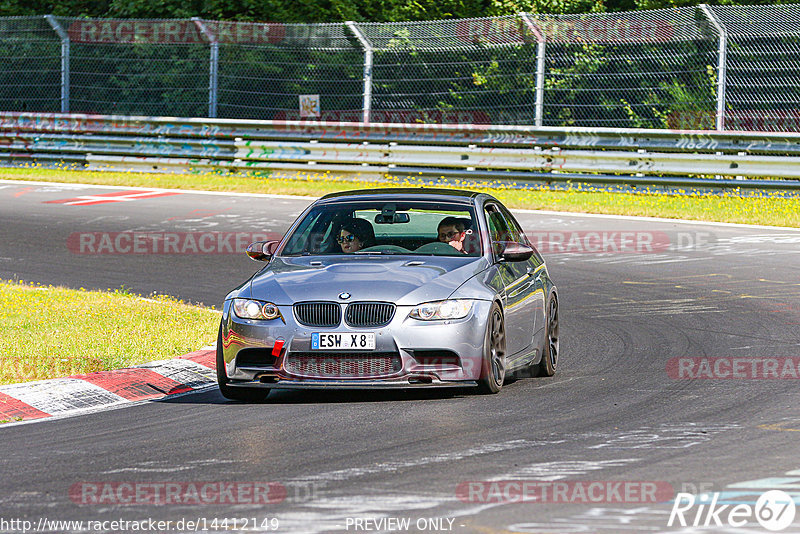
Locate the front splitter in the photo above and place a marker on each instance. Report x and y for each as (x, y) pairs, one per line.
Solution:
(352, 384)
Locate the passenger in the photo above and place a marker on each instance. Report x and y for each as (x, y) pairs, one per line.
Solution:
(356, 234)
(452, 231)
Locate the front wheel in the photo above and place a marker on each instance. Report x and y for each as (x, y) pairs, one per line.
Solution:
(493, 367)
(547, 366)
(232, 393)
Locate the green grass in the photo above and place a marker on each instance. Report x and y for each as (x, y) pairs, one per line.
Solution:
(49, 332)
(767, 210)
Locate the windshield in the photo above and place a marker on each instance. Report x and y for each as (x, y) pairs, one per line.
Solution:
(387, 227)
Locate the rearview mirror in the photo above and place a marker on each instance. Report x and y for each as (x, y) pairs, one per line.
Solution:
(512, 251)
(262, 250)
(392, 218)
(389, 215)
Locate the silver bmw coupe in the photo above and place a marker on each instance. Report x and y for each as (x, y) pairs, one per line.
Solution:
(391, 288)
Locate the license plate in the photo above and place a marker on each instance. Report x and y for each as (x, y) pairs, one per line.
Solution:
(342, 340)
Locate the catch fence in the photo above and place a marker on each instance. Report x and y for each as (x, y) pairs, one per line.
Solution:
(703, 67)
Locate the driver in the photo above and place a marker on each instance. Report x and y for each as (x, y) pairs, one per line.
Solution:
(355, 234)
(451, 230)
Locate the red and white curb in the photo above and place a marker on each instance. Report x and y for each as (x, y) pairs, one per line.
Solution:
(74, 395)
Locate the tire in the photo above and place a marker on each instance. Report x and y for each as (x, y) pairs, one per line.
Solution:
(493, 364)
(547, 365)
(234, 393)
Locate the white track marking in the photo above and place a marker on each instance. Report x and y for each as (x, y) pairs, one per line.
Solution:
(186, 372)
(391, 466)
(62, 395)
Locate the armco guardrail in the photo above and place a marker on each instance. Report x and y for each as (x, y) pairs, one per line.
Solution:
(189, 145)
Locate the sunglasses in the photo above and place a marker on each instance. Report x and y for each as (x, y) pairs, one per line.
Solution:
(449, 235)
(346, 239)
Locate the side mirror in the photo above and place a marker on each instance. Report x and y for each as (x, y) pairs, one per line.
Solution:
(512, 251)
(262, 250)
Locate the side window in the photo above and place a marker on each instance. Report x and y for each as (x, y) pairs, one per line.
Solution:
(314, 236)
(498, 227)
(300, 240)
(516, 229)
(519, 235)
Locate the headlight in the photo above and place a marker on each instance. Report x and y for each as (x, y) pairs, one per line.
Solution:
(443, 309)
(255, 309)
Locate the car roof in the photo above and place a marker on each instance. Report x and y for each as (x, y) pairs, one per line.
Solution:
(407, 193)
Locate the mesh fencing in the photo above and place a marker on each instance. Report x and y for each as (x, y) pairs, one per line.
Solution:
(457, 71)
(137, 67)
(264, 68)
(670, 68)
(763, 62)
(30, 52)
(642, 70)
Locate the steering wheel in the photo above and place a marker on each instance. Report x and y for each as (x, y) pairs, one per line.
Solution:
(437, 248)
(386, 248)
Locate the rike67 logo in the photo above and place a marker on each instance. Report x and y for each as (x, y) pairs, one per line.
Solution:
(774, 510)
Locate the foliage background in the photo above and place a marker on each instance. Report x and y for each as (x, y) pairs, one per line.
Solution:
(333, 10)
(418, 75)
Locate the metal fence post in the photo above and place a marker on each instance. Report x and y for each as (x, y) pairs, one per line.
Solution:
(64, 36)
(723, 64)
(213, 66)
(540, 52)
(367, 106)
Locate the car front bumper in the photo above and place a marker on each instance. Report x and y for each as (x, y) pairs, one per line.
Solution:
(417, 353)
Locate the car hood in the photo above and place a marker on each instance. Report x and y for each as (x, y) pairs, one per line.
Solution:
(404, 281)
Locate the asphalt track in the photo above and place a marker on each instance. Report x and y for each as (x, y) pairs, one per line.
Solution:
(612, 413)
